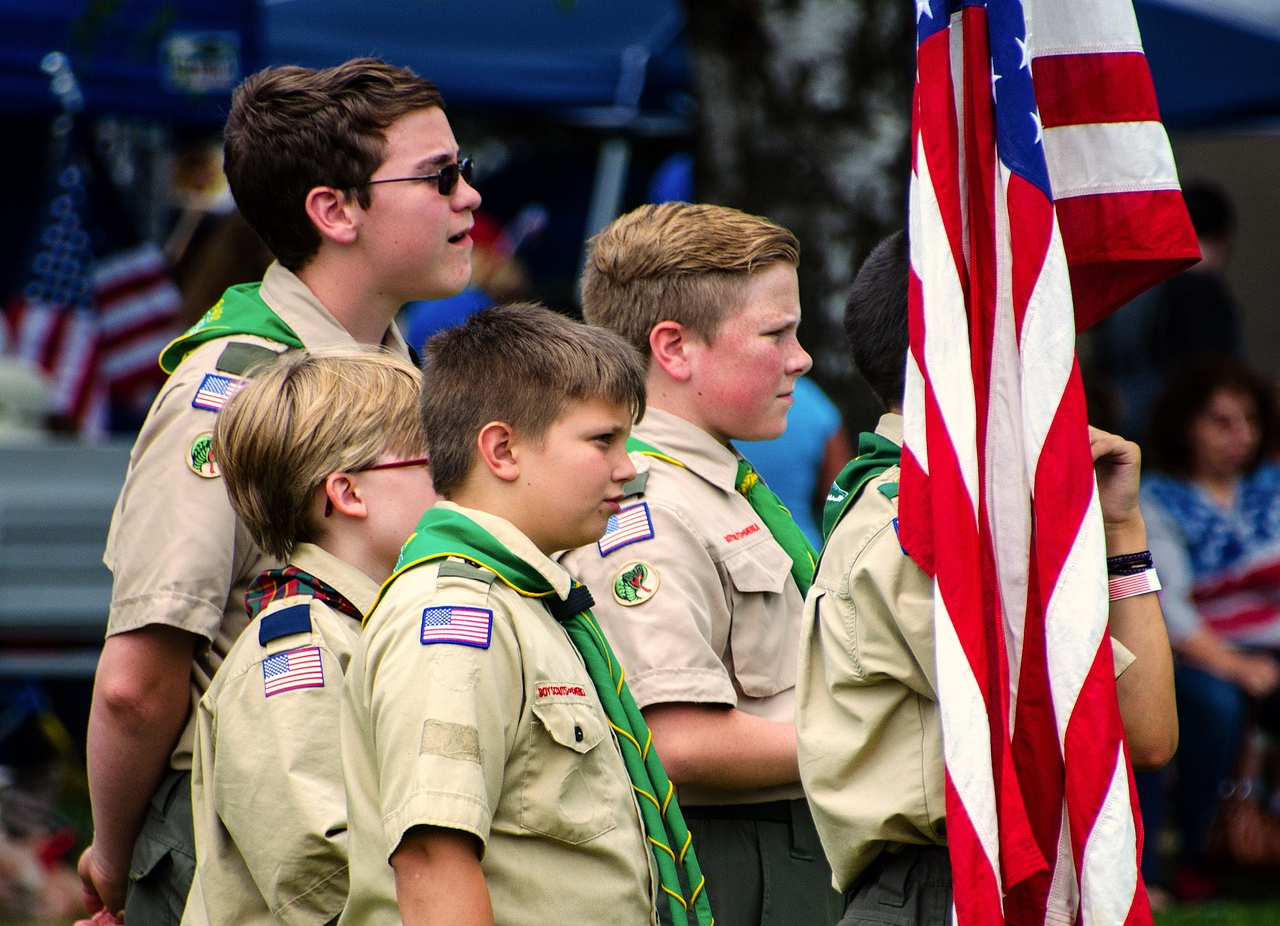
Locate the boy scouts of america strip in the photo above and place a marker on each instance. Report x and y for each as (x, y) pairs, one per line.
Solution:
(215, 391)
(630, 525)
(291, 670)
(456, 624)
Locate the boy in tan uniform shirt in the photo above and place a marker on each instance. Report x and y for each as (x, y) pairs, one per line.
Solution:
(699, 588)
(868, 724)
(476, 743)
(315, 160)
(336, 496)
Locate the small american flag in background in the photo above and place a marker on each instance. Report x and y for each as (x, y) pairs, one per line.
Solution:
(293, 669)
(630, 525)
(1043, 194)
(455, 624)
(215, 391)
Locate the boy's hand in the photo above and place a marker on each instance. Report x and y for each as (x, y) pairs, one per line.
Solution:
(1117, 463)
(100, 891)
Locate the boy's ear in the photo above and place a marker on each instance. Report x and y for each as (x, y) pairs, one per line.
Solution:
(344, 495)
(671, 344)
(333, 213)
(497, 446)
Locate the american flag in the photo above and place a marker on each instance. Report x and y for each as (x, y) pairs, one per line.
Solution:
(215, 391)
(456, 624)
(291, 670)
(630, 525)
(1043, 195)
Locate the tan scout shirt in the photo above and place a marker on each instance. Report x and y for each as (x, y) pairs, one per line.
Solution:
(266, 788)
(177, 553)
(722, 624)
(867, 722)
(508, 742)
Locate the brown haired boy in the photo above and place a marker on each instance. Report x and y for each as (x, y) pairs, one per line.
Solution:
(351, 175)
(476, 737)
(704, 571)
(335, 496)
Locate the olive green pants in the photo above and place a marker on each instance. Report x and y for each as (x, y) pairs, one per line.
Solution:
(164, 857)
(910, 887)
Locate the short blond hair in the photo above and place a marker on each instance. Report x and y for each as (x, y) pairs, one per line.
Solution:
(521, 364)
(303, 417)
(683, 262)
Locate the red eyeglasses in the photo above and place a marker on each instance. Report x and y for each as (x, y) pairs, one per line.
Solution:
(394, 464)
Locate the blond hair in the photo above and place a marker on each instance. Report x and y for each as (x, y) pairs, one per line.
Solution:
(682, 262)
(520, 364)
(303, 417)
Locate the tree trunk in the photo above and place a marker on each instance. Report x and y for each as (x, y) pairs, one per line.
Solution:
(804, 115)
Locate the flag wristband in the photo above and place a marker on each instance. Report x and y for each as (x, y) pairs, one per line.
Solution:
(1129, 563)
(1135, 583)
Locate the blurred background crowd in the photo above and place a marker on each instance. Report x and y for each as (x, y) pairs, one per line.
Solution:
(121, 232)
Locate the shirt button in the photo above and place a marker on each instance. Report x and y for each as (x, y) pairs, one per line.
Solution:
(577, 734)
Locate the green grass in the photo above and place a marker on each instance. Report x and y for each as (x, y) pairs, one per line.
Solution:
(1223, 913)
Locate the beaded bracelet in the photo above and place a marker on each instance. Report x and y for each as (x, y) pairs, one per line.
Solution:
(1131, 584)
(1128, 563)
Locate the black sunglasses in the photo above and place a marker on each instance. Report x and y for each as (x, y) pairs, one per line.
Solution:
(446, 178)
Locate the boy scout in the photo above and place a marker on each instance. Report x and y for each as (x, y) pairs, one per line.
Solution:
(475, 739)
(867, 719)
(335, 496)
(351, 176)
(700, 585)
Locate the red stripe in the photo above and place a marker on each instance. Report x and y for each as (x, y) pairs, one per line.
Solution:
(976, 893)
(1094, 88)
(138, 280)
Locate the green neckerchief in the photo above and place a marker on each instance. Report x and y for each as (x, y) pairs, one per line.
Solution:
(875, 455)
(777, 519)
(442, 533)
(239, 311)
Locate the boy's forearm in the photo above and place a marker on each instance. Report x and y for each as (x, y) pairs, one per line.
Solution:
(141, 699)
(439, 881)
(718, 747)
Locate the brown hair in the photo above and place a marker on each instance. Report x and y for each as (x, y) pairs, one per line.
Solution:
(303, 417)
(292, 129)
(680, 262)
(520, 364)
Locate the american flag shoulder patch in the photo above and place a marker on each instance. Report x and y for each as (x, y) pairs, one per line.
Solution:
(291, 670)
(457, 624)
(215, 390)
(630, 525)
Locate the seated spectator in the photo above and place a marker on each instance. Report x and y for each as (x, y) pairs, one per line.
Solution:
(1212, 506)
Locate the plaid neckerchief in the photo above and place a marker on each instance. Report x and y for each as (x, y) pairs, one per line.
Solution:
(291, 581)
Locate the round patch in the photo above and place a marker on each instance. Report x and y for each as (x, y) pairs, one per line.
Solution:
(200, 456)
(635, 584)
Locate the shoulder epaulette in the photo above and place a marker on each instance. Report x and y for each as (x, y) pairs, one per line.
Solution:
(889, 490)
(455, 569)
(293, 619)
(637, 485)
(239, 356)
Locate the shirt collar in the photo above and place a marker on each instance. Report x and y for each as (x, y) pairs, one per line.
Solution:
(510, 537)
(890, 427)
(695, 448)
(349, 581)
(290, 298)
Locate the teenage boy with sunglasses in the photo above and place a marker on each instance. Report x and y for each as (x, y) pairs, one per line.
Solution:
(351, 177)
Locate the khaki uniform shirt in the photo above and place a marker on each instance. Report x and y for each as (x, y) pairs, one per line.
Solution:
(177, 553)
(867, 721)
(722, 622)
(266, 787)
(507, 741)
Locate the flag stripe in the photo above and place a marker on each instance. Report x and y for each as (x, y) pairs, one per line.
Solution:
(1075, 88)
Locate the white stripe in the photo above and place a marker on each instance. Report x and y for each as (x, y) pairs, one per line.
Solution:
(1048, 348)
(1118, 157)
(1055, 27)
(1007, 485)
(1108, 875)
(160, 300)
(138, 355)
(109, 270)
(966, 735)
(1063, 898)
(946, 347)
(1076, 616)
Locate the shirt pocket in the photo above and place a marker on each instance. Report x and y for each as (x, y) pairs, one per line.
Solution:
(562, 793)
(762, 632)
